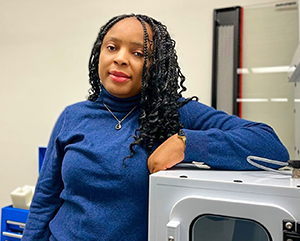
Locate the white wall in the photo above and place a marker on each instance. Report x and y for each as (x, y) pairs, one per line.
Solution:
(44, 51)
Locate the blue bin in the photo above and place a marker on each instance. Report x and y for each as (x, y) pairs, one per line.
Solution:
(13, 223)
(13, 220)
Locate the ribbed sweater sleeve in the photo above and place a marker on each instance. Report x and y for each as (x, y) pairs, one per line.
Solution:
(46, 199)
(224, 141)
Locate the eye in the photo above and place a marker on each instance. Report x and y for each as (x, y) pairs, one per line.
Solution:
(139, 54)
(111, 47)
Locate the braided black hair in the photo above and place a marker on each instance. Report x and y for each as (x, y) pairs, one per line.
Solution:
(162, 83)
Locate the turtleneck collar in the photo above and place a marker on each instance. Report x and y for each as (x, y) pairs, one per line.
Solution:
(117, 104)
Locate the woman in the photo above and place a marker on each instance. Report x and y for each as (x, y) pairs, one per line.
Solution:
(94, 181)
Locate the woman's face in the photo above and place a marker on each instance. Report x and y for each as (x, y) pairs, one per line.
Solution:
(122, 57)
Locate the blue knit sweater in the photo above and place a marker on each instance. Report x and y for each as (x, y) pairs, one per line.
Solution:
(85, 193)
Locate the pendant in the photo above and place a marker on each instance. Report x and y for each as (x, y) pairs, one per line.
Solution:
(118, 126)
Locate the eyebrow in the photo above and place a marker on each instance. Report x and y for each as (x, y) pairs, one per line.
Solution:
(138, 44)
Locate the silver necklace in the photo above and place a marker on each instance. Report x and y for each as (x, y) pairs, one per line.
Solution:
(119, 126)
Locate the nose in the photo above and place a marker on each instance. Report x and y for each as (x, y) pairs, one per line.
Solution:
(121, 57)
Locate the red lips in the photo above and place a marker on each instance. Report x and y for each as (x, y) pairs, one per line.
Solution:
(118, 76)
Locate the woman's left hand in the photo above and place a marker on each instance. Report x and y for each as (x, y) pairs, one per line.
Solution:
(167, 154)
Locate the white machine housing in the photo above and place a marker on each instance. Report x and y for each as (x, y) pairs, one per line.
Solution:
(179, 196)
